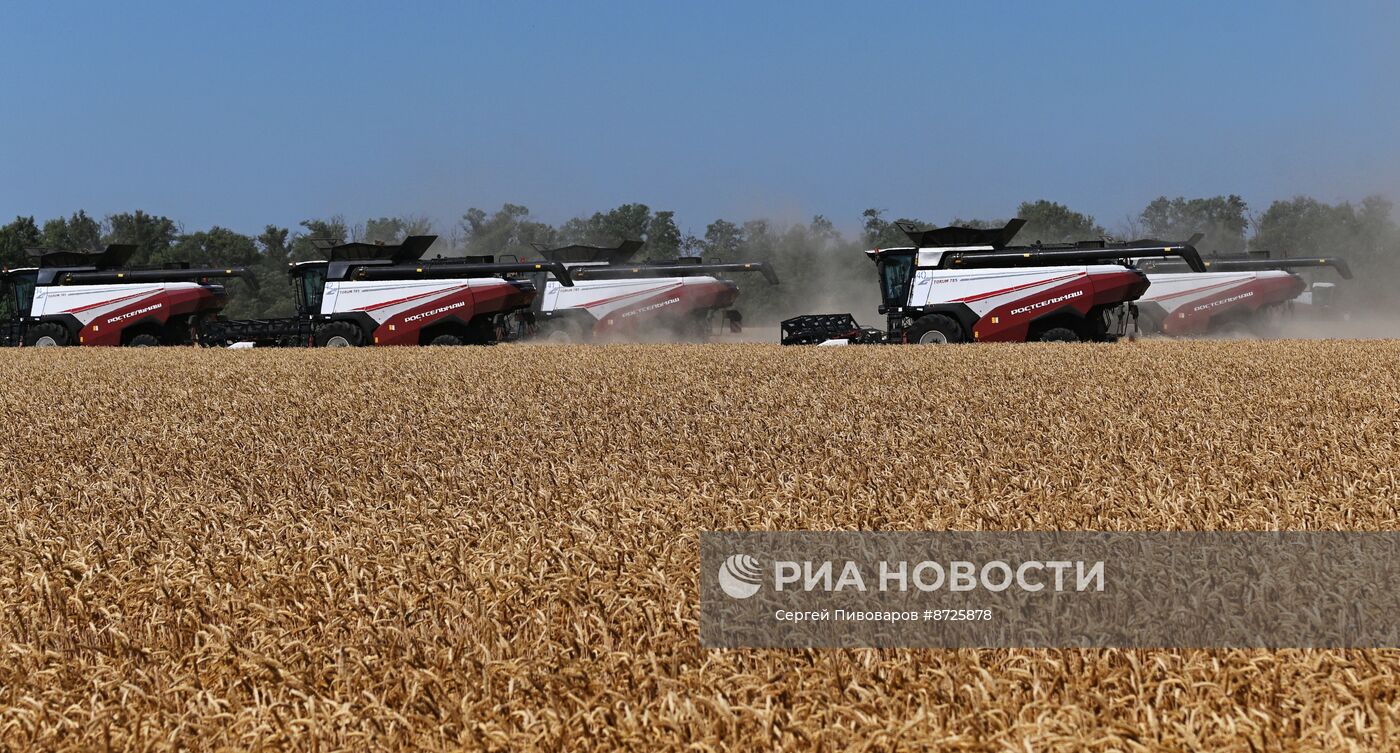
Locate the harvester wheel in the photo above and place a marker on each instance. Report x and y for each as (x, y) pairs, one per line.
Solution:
(1059, 335)
(934, 329)
(46, 334)
(143, 340)
(561, 331)
(338, 335)
(446, 340)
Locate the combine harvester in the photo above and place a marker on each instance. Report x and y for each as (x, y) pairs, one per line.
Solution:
(1237, 293)
(614, 299)
(79, 298)
(375, 294)
(958, 284)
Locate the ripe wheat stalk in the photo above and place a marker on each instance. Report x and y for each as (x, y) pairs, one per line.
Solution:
(497, 548)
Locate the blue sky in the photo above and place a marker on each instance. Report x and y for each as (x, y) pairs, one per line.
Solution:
(243, 114)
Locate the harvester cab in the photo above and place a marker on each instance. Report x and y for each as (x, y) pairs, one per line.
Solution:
(1243, 292)
(961, 284)
(16, 299)
(93, 298)
(616, 297)
(387, 294)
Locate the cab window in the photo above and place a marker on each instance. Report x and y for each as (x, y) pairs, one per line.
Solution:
(894, 277)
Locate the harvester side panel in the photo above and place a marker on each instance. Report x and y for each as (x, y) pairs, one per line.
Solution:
(630, 306)
(104, 312)
(400, 310)
(1079, 297)
(1184, 304)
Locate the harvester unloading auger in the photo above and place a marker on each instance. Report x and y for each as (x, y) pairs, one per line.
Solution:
(615, 298)
(959, 284)
(93, 298)
(376, 294)
(1241, 291)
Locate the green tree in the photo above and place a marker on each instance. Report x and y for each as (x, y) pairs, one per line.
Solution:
(820, 271)
(153, 235)
(507, 232)
(663, 238)
(723, 241)
(76, 233)
(1050, 222)
(626, 222)
(823, 229)
(881, 233)
(1223, 219)
(382, 230)
(213, 247)
(220, 247)
(333, 230)
(16, 239)
(1366, 236)
(394, 229)
(273, 294)
(982, 224)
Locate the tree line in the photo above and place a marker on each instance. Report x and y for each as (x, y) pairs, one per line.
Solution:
(821, 268)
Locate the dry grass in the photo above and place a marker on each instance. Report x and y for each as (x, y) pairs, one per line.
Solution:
(497, 548)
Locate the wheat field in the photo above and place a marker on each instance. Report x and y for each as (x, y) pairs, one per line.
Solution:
(497, 548)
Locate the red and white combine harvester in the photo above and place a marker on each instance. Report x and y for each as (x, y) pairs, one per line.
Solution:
(1237, 293)
(958, 284)
(375, 294)
(81, 298)
(613, 298)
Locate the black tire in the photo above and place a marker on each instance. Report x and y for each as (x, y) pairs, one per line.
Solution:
(143, 340)
(46, 334)
(446, 340)
(338, 335)
(562, 331)
(481, 331)
(1059, 335)
(934, 329)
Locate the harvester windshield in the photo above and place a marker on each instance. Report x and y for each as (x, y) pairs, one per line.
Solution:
(309, 280)
(895, 275)
(17, 297)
